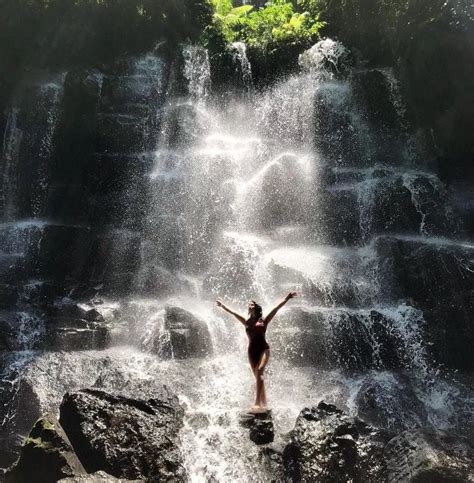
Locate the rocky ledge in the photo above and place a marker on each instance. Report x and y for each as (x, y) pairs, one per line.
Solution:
(104, 437)
(128, 438)
(260, 425)
(327, 445)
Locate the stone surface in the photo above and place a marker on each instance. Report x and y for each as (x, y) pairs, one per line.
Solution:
(428, 456)
(20, 407)
(328, 446)
(387, 400)
(352, 340)
(260, 425)
(189, 336)
(97, 477)
(127, 438)
(438, 275)
(46, 456)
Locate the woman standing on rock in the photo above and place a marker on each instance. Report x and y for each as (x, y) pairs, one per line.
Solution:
(258, 350)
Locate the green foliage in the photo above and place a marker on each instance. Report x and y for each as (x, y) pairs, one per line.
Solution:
(229, 18)
(275, 23)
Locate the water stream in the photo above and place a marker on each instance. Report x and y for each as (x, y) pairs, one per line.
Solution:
(241, 196)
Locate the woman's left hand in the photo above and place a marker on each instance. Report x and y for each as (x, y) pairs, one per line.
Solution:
(292, 294)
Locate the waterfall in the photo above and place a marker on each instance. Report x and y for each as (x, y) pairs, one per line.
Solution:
(303, 184)
(197, 71)
(241, 60)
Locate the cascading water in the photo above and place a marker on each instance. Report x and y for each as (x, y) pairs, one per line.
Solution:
(248, 197)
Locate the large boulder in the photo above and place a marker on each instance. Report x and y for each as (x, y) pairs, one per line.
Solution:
(426, 456)
(20, 407)
(46, 456)
(170, 331)
(35, 382)
(189, 336)
(328, 446)
(127, 438)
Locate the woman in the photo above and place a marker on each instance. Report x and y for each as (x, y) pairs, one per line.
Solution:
(258, 350)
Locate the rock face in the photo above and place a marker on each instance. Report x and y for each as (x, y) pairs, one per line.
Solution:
(70, 327)
(127, 438)
(20, 407)
(46, 456)
(387, 400)
(440, 279)
(428, 456)
(328, 446)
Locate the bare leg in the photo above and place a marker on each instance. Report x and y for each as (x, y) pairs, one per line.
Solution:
(261, 396)
(254, 371)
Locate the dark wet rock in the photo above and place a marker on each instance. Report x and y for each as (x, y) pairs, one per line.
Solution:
(371, 93)
(327, 445)
(354, 340)
(429, 456)
(62, 253)
(177, 333)
(189, 336)
(340, 217)
(336, 137)
(8, 295)
(271, 457)
(117, 132)
(20, 329)
(8, 335)
(97, 477)
(127, 438)
(19, 408)
(74, 334)
(74, 311)
(68, 326)
(36, 386)
(387, 400)
(46, 456)
(262, 431)
(357, 204)
(260, 425)
(439, 277)
(429, 46)
(44, 292)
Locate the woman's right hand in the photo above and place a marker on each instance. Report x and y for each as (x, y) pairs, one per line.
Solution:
(292, 294)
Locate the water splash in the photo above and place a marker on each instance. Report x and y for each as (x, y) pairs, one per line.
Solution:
(197, 71)
(240, 58)
(325, 57)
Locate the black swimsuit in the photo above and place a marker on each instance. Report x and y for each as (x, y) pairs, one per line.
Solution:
(257, 343)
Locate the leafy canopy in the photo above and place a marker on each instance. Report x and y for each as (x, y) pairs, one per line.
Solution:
(276, 22)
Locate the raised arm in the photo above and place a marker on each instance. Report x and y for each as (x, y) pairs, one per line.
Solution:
(274, 311)
(227, 309)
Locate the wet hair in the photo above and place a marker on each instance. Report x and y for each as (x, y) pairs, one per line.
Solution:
(258, 310)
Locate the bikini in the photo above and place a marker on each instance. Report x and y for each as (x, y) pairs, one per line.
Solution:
(257, 343)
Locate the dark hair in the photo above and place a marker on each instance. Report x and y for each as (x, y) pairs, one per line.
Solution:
(258, 310)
